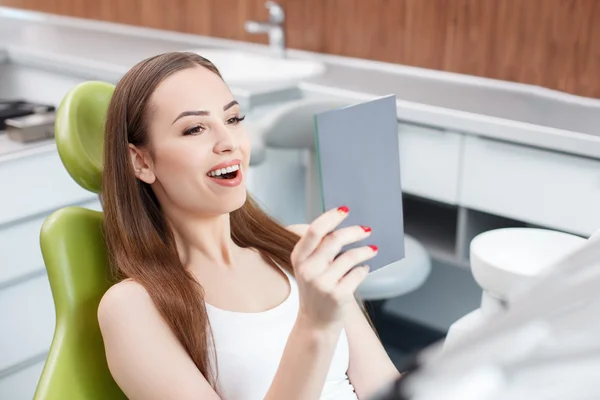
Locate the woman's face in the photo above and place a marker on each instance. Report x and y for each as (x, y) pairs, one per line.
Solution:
(198, 152)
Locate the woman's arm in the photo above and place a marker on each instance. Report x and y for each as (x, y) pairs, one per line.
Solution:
(370, 367)
(305, 362)
(144, 356)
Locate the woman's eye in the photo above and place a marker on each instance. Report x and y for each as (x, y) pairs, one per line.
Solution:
(194, 130)
(235, 120)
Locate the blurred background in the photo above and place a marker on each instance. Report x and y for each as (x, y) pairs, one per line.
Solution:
(498, 122)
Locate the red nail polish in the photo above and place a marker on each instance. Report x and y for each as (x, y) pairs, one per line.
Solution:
(373, 247)
(343, 209)
(367, 229)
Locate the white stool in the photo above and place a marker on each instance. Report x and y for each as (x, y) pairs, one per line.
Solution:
(291, 126)
(399, 278)
(504, 261)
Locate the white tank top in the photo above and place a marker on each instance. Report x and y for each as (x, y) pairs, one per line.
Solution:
(249, 347)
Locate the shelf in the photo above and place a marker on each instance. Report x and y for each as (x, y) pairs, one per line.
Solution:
(448, 258)
(434, 225)
(473, 223)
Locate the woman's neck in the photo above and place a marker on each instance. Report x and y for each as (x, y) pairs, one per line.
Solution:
(205, 240)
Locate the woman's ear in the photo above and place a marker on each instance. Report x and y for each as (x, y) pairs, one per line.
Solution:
(142, 164)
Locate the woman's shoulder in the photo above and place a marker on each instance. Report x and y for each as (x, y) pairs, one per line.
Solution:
(124, 300)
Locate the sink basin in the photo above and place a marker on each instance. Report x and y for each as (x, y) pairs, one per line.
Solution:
(240, 67)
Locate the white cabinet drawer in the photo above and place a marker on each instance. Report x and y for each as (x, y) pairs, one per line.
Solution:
(26, 321)
(554, 190)
(20, 252)
(430, 162)
(36, 184)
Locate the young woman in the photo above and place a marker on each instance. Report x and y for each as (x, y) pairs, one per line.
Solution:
(216, 300)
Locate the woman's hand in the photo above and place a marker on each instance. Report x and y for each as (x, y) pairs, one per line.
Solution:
(326, 281)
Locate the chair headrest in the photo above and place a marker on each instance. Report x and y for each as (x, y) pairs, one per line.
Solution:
(79, 131)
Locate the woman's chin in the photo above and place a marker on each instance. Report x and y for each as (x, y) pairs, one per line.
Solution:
(234, 201)
(221, 204)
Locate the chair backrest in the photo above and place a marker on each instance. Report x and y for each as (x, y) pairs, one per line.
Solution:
(74, 253)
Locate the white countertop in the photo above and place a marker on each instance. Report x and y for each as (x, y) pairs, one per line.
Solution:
(11, 149)
(505, 111)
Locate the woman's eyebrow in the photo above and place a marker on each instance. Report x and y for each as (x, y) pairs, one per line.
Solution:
(202, 112)
(187, 113)
(230, 104)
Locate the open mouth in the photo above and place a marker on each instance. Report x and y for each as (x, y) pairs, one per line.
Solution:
(230, 172)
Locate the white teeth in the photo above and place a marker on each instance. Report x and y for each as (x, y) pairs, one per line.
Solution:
(223, 171)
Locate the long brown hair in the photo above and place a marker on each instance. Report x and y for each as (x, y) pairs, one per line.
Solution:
(140, 243)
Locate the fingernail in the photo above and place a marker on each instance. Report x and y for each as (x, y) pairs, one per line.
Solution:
(367, 229)
(343, 210)
(373, 247)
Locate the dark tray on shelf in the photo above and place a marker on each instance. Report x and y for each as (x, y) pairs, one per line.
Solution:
(20, 108)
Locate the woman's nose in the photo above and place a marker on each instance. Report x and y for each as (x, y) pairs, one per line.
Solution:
(225, 140)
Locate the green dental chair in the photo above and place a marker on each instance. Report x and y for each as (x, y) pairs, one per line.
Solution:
(75, 256)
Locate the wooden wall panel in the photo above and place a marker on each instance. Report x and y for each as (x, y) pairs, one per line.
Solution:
(551, 43)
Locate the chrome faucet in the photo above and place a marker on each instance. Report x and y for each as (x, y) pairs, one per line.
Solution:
(274, 28)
